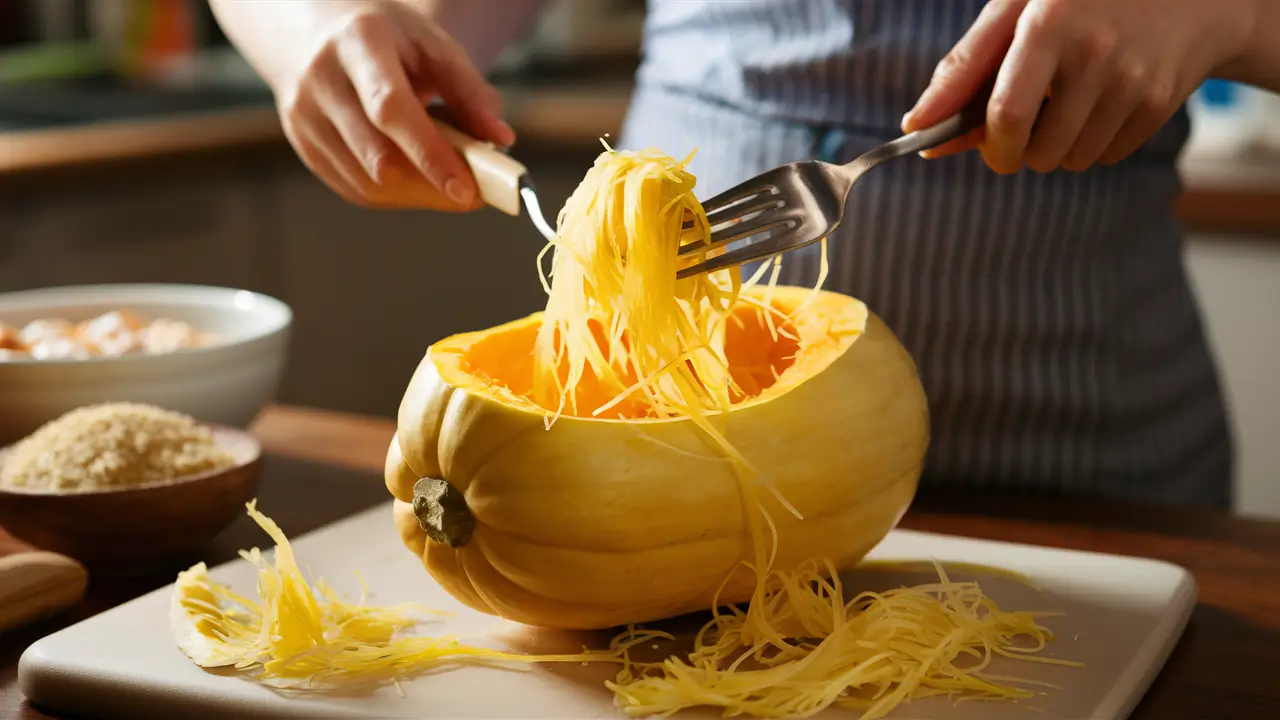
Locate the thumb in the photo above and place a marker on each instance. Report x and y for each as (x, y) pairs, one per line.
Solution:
(970, 64)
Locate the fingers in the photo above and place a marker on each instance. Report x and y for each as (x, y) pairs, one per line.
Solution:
(959, 145)
(1021, 86)
(1076, 83)
(357, 112)
(392, 106)
(1157, 103)
(391, 182)
(475, 103)
(372, 150)
(1062, 119)
(317, 160)
(1104, 123)
(968, 66)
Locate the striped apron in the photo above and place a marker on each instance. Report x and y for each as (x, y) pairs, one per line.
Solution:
(1050, 316)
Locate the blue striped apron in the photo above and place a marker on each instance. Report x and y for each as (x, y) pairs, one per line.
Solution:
(1050, 315)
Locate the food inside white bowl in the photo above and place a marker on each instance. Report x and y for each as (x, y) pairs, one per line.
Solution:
(111, 334)
(214, 353)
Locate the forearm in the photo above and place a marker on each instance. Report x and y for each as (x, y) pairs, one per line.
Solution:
(1259, 60)
(483, 27)
(271, 35)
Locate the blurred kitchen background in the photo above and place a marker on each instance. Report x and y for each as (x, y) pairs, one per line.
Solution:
(136, 146)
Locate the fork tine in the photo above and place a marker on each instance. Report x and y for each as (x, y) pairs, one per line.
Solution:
(763, 183)
(733, 233)
(745, 254)
(756, 204)
(760, 184)
(756, 250)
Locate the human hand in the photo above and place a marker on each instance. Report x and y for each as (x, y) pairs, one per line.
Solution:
(1114, 72)
(354, 108)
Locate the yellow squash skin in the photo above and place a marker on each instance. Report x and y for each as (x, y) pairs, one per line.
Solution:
(599, 523)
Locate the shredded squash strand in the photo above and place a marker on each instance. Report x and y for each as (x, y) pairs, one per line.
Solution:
(304, 638)
(612, 274)
(870, 652)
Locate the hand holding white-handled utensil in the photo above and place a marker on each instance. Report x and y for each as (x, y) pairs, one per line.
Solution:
(502, 181)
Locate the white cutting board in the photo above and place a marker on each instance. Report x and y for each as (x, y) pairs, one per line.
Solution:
(1123, 616)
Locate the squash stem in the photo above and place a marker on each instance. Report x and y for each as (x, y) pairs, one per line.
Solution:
(442, 512)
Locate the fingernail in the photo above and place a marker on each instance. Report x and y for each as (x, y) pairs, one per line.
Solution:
(457, 191)
(501, 133)
(902, 124)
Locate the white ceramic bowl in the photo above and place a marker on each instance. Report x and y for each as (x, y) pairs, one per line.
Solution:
(227, 382)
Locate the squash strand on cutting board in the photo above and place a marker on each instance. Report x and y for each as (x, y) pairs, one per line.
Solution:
(300, 637)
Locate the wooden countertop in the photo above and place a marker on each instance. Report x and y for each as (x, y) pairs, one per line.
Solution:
(330, 465)
(1222, 195)
(60, 147)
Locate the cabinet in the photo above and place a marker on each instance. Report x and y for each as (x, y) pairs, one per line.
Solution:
(133, 225)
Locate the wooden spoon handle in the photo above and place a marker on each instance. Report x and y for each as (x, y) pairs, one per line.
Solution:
(37, 584)
(497, 173)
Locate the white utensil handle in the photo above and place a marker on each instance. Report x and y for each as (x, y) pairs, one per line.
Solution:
(497, 174)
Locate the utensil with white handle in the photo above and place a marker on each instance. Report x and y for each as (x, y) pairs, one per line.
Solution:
(503, 182)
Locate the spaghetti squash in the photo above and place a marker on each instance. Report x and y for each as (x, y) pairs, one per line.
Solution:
(645, 447)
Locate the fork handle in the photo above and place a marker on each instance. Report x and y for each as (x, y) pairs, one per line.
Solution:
(971, 117)
(497, 173)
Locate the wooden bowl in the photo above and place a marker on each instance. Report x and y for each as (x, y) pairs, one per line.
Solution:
(135, 529)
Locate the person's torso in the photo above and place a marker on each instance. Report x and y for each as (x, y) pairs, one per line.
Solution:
(1049, 315)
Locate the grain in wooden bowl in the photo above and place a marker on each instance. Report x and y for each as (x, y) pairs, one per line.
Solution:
(126, 488)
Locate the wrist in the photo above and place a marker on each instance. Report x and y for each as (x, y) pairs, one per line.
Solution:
(1256, 20)
(278, 38)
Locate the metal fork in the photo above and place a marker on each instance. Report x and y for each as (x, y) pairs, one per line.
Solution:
(803, 202)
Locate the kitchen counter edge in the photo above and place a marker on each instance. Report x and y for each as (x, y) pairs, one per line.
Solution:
(1221, 195)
